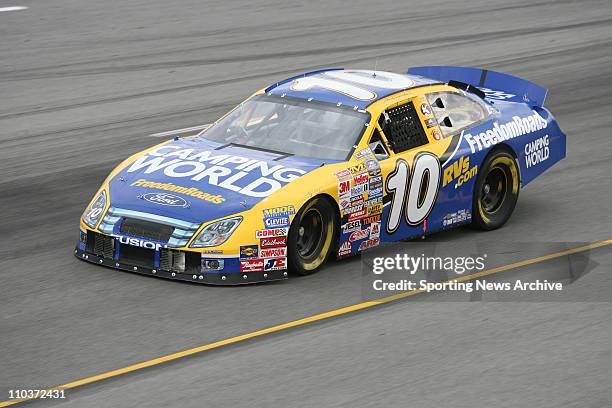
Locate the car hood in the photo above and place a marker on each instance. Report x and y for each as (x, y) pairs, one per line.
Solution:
(198, 180)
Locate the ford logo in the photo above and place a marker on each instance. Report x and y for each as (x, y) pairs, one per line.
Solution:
(165, 199)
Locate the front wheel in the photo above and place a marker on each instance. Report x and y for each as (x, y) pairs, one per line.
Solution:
(311, 236)
(496, 191)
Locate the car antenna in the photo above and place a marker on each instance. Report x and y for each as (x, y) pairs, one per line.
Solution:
(375, 66)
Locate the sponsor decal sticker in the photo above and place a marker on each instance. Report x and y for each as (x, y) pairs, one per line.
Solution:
(377, 192)
(373, 167)
(351, 226)
(375, 209)
(357, 215)
(375, 230)
(436, 134)
(353, 209)
(361, 178)
(358, 168)
(371, 219)
(425, 109)
(252, 265)
(248, 251)
(457, 217)
(230, 172)
(190, 191)
(363, 153)
(518, 126)
(359, 189)
(165, 199)
(273, 242)
(459, 171)
(276, 222)
(344, 188)
(285, 210)
(345, 249)
(430, 122)
(275, 264)
(358, 199)
(359, 235)
(272, 232)
(537, 151)
(273, 252)
(343, 175)
(139, 242)
(369, 244)
(375, 182)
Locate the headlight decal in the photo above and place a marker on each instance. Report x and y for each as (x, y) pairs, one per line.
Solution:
(94, 212)
(216, 233)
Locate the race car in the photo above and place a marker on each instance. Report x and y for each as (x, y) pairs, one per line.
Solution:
(324, 165)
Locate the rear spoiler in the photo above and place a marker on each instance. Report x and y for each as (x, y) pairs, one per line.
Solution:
(495, 85)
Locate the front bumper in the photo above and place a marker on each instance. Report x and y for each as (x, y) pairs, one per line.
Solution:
(112, 259)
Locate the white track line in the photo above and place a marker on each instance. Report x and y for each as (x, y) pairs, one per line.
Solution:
(12, 8)
(180, 131)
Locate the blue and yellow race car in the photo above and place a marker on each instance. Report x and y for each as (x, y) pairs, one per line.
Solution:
(325, 164)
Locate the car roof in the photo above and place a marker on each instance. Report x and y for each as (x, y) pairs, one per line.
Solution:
(354, 88)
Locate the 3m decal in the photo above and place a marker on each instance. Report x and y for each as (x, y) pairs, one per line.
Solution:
(344, 188)
(413, 196)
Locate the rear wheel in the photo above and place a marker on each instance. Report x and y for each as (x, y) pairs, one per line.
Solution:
(311, 236)
(496, 191)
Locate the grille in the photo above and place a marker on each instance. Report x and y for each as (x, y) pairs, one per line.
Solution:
(134, 255)
(179, 261)
(146, 229)
(404, 129)
(100, 245)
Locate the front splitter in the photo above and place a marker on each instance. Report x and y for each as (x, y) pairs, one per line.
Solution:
(210, 278)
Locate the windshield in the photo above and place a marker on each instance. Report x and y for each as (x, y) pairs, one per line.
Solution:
(291, 126)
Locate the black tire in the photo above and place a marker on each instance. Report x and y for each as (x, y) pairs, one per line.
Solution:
(311, 236)
(496, 191)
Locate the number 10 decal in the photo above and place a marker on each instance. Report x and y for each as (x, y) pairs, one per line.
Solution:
(413, 196)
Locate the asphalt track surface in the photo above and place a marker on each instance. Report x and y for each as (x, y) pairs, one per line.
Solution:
(82, 84)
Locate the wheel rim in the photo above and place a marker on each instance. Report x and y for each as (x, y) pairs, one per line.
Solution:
(494, 190)
(310, 233)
